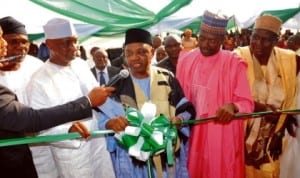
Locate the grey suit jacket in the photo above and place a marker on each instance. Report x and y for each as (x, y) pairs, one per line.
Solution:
(16, 118)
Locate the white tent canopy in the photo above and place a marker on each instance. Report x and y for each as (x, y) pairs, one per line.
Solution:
(35, 16)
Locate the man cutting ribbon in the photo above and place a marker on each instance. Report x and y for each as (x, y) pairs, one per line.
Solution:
(146, 83)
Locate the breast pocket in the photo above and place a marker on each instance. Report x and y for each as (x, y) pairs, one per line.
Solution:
(200, 98)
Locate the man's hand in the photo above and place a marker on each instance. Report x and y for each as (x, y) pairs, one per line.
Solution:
(81, 129)
(274, 116)
(177, 121)
(117, 124)
(259, 107)
(98, 95)
(273, 108)
(226, 113)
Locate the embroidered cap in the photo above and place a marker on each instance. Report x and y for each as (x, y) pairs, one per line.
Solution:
(214, 23)
(137, 35)
(10, 25)
(268, 22)
(59, 28)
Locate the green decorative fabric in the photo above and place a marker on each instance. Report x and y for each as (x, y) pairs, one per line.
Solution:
(284, 14)
(117, 16)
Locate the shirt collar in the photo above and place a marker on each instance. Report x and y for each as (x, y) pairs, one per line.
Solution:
(104, 70)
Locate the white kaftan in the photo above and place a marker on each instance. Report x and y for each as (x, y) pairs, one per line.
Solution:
(17, 80)
(52, 85)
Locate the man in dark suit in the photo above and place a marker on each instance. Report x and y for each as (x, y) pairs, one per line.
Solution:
(16, 118)
(102, 72)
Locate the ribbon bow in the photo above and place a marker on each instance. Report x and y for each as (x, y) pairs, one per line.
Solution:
(147, 135)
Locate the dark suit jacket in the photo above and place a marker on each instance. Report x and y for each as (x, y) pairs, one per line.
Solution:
(119, 61)
(16, 118)
(111, 70)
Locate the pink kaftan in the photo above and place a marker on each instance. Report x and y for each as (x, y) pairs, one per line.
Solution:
(216, 150)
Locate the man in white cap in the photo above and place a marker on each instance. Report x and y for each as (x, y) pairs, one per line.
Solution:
(272, 78)
(63, 78)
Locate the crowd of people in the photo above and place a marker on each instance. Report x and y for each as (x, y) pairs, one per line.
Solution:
(214, 74)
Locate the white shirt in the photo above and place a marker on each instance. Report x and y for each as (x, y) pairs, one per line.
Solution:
(18, 80)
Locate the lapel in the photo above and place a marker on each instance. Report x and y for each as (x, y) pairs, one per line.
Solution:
(112, 71)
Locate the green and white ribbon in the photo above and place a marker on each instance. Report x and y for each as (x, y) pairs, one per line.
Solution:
(148, 136)
(49, 138)
(134, 121)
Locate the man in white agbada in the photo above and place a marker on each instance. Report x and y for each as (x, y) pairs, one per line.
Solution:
(17, 74)
(64, 78)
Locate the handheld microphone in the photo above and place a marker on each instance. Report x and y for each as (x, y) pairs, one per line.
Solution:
(11, 58)
(114, 81)
(122, 75)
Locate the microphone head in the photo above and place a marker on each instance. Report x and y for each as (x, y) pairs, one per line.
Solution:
(124, 73)
(118, 78)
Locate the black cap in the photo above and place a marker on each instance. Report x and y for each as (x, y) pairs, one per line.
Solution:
(10, 25)
(137, 35)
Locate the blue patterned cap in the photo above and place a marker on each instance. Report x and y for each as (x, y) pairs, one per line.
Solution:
(214, 23)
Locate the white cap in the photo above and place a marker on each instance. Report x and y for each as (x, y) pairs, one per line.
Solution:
(59, 28)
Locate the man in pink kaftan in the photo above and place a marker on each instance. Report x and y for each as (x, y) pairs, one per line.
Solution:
(215, 82)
